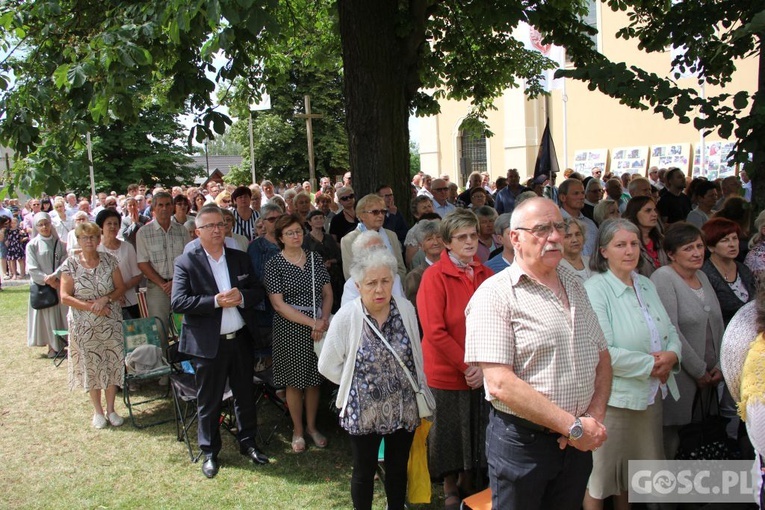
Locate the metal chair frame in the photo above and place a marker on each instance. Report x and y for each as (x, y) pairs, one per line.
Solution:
(132, 339)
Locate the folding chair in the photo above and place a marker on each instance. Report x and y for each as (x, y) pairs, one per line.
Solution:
(175, 324)
(139, 332)
(63, 336)
(184, 390)
(265, 390)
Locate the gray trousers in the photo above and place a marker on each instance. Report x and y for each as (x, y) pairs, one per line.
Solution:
(158, 304)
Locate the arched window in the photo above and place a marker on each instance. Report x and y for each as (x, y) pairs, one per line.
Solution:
(472, 154)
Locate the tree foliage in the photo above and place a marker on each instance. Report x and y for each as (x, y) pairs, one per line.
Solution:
(77, 63)
(221, 145)
(712, 39)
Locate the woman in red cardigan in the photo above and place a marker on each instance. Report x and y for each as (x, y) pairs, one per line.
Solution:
(444, 292)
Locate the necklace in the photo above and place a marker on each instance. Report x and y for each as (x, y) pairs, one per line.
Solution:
(726, 272)
(297, 262)
(350, 216)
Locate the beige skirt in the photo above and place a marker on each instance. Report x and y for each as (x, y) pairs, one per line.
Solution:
(632, 435)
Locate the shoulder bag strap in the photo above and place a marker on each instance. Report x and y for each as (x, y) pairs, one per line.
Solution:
(415, 386)
(55, 246)
(313, 287)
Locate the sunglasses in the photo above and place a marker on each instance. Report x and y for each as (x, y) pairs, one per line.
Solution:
(377, 212)
(348, 197)
(271, 219)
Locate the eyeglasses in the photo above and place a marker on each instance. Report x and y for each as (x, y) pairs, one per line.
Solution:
(377, 212)
(271, 219)
(213, 226)
(87, 238)
(348, 197)
(464, 237)
(293, 233)
(445, 188)
(544, 230)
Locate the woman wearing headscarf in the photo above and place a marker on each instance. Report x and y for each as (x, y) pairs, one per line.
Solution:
(45, 253)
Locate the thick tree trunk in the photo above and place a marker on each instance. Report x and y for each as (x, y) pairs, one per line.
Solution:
(376, 71)
(757, 174)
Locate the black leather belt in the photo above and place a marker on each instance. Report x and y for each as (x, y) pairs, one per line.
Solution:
(517, 420)
(230, 336)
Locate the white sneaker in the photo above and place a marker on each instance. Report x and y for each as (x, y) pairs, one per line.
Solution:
(115, 420)
(99, 421)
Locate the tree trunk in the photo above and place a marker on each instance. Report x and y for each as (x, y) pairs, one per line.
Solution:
(376, 72)
(757, 174)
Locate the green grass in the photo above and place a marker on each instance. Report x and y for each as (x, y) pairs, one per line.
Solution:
(51, 457)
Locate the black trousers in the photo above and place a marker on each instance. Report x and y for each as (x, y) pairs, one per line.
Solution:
(528, 470)
(234, 364)
(364, 450)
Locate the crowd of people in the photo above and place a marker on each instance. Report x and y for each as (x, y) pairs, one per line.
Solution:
(552, 333)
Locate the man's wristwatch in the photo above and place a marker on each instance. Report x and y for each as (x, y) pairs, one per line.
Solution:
(576, 431)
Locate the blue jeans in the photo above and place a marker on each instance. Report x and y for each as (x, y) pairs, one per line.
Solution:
(528, 470)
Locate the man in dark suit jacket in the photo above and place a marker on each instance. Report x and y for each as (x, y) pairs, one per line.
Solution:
(216, 290)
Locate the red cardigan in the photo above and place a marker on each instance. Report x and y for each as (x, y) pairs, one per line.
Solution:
(441, 301)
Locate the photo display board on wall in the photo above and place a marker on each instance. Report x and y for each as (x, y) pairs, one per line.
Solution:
(715, 160)
(586, 160)
(676, 154)
(629, 159)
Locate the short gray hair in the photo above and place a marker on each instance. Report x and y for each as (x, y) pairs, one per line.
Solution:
(364, 239)
(502, 223)
(608, 230)
(207, 209)
(372, 259)
(290, 193)
(269, 208)
(600, 210)
(525, 196)
(426, 229)
(485, 212)
(578, 223)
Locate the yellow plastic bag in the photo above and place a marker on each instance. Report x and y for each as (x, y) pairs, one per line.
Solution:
(418, 475)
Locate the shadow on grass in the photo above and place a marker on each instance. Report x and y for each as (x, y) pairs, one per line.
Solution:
(53, 457)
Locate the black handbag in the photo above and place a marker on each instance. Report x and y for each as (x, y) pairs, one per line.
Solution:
(707, 439)
(43, 296)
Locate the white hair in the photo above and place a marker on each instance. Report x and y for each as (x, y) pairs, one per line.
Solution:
(372, 259)
(362, 242)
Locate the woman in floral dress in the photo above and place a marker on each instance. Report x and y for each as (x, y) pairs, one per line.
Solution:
(91, 285)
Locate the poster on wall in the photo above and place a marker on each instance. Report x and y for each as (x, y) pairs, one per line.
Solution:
(585, 161)
(632, 160)
(676, 154)
(715, 160)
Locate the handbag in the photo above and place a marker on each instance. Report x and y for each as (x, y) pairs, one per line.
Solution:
(423, 406)
(707, 439)
(44, 296)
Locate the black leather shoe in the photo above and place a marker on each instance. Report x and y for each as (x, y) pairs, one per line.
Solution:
(253, 453)
(210, 466)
